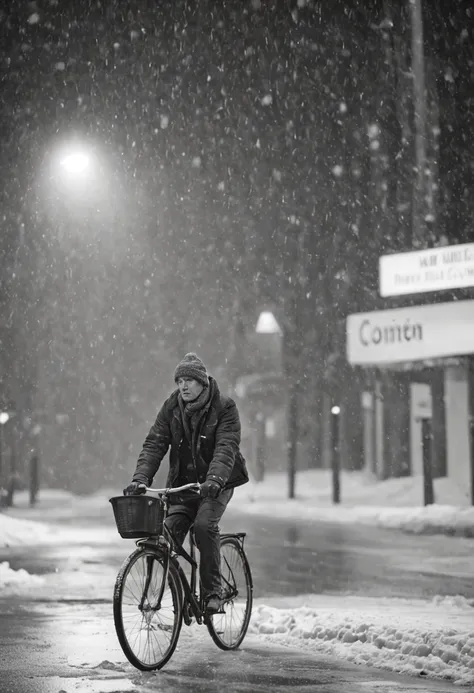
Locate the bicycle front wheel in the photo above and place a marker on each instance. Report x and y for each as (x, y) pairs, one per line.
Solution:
(228, 629)
(148, 632)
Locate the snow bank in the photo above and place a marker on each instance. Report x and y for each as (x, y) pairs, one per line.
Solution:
(14, 532)
(404, 636)
(57, 517)
(16, 581)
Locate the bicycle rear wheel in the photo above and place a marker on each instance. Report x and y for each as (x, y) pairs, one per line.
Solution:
(228, 629)
(148, 635)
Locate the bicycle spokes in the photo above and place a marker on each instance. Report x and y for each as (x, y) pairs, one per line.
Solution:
(228, 628)
(147, 610)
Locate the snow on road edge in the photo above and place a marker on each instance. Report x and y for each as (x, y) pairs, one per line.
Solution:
(413, 637)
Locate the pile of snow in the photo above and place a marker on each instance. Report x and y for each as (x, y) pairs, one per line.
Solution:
(16, 581)
(414, 637)
(14, 532)
(76, 582)
(393, 503)
(57, 516)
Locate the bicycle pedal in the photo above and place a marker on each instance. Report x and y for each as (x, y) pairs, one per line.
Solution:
(187, 616)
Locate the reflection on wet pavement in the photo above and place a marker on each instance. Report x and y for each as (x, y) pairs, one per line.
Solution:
(291, 558)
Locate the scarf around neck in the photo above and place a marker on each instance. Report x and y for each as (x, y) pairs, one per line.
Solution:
(191, 412)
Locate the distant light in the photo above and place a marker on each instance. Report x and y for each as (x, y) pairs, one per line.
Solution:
(75, 163)
(267, 323)
(4, 417)
(336, 410)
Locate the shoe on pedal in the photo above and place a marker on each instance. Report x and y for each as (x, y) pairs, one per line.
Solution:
(213, 605)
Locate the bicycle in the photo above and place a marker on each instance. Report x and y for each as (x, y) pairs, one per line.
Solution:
(153, 596)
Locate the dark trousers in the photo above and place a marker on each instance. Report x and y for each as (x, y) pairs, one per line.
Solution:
(205, 514)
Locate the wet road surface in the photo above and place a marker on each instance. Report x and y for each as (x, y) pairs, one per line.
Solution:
(290, 558)
(298, 558)
(72, 648)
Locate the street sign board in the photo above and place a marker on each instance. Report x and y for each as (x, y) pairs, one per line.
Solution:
(435, 269)
(414, 333)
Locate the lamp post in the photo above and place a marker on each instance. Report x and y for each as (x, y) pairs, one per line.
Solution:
(336, 454)
(269, 329)
(4, 418)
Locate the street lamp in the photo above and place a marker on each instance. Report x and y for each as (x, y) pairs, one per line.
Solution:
(268, 365)
(336, 453)
(267, 324)
(75, 163)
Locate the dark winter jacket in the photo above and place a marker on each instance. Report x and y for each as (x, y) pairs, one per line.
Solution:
(215, 446)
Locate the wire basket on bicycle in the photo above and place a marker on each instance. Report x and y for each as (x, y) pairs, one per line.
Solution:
(138, 516)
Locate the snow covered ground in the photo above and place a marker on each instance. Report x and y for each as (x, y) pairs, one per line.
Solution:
(431, 638)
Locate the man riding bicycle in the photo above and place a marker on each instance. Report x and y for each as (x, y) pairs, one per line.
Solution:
(202, 429)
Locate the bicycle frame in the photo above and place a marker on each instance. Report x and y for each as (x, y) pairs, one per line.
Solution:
(190, 587)
(165, 545)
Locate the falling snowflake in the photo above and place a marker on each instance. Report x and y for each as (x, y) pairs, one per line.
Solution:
(60, 66)
(221, 186)
(342, 107)
(33, 18)
(196, 162)
(448, 75)
(337, 170)
(164, 122)
(267, 100)
(373, 131)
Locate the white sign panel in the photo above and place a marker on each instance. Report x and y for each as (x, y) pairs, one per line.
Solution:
(421, 401)
(411, 334)
(437, 269)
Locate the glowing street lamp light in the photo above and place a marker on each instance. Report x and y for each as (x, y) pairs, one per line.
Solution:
(267, 323)
(75, 163)
(4, 418)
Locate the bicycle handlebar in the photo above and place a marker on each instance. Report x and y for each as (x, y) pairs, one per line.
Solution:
(168, 491)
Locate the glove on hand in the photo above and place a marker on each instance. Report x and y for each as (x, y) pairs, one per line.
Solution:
(136, 488)
(210, 489)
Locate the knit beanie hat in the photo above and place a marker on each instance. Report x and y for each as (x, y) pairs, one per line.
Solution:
(192, 367)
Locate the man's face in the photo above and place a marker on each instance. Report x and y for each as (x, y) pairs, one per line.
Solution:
(189, 388)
